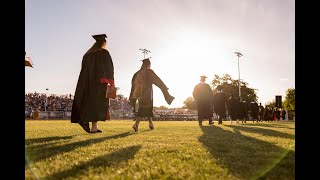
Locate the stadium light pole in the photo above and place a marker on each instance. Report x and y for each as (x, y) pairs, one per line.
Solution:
(239, 55)
(144, 51)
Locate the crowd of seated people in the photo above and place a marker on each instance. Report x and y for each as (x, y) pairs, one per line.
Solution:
(175, 114)
(40, 102)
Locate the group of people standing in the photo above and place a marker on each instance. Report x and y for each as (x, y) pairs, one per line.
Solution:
(96, 79)
(237, 109)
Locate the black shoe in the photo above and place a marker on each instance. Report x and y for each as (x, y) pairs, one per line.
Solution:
(210, 123)
(151, 126)
(98, 131)
(85, 126)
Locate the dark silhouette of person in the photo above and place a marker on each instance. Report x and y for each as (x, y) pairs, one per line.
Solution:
(266, 114)
(202, 94)
(219, 103)
(244, 111)
(90, 103)
(283, 114)
(233, 107)
(142, 92)
(254, 109)
(271, 114)
(261, 112)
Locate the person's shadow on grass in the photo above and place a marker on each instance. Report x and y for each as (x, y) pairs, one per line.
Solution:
(245, 157)
(113, 159)
(46, 139)
(271, 125)
(35, 154)
(262, 131)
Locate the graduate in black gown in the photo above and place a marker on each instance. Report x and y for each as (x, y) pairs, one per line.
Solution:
(90, 103)
(142, 92)
(202, 94)
(219, 103)
(233, 107)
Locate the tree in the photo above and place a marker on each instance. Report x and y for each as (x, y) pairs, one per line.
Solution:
(230, 86)
(190, 103)
(289, 102)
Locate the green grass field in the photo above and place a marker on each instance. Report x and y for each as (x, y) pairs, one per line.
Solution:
(174, 150)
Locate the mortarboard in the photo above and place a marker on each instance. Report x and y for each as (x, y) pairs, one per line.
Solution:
(146, 59)
(99, 37)
(203, 77)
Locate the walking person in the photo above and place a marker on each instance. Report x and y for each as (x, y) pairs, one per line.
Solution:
(90, 102)
(202, 94)
(219, 103)
(142, 92)
(233, 107)
(261, 112)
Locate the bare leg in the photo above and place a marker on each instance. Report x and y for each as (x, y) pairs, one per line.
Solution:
(94, 126)
(136, 124)
(150, 123)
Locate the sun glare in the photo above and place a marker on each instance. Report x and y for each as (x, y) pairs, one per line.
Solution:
(190, 55)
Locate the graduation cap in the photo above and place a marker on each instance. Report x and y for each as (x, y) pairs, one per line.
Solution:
(27, 61)
(100, 37)
(146, 60)
(203, 77)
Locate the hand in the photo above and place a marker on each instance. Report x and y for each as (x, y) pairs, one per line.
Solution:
(113, 87)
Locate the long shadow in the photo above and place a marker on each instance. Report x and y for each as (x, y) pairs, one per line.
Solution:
(244, 157)
(37, 154)
(46, 139)
(286, 167)
(265, 132)
(108, 160)
(268, 125)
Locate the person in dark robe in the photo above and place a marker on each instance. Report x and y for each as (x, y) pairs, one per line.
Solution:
(261, 112)
(283, 114)
(90, 102)
(233, 107)
(244, 109)
(141, 94)
(254, 107)
(202, 94)
(219, 103)
(271, 116)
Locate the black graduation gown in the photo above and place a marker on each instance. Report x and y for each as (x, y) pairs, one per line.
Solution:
(90, 103)
(219, 103)
(233, 108)
(145, 103)
(254, 110)
(202, 94)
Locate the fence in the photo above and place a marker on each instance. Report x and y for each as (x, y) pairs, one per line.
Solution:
(120, 114)
(49, 115)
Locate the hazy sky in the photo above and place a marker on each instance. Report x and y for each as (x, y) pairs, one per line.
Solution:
(187, 39)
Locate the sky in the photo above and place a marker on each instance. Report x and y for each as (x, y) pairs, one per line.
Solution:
(186, 39)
